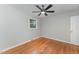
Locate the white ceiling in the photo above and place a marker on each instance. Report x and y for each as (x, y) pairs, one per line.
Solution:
(59, 8)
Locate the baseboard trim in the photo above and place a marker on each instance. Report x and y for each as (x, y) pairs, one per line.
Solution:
(61, 40)
(17, 45)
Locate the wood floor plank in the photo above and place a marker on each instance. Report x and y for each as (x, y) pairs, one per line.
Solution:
(44, 46)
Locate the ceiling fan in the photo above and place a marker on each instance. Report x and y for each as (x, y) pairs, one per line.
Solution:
(43, 10)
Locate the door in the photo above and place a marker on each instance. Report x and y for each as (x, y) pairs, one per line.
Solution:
(75, 30)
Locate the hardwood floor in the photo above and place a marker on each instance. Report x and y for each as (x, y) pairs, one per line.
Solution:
(44, 46)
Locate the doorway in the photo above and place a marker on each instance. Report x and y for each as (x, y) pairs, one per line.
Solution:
(75, 30)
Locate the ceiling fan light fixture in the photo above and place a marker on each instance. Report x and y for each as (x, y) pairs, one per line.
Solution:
(43, 12)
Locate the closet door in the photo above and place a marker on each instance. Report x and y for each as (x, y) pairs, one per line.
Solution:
(75, 29)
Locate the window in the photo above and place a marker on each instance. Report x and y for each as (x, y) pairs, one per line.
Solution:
(32, 23)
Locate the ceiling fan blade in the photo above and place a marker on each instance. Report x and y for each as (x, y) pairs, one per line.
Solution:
(49, 6)
(50, 11)
(39, 14)
(45, 14)
(36, 11)
(38, 7)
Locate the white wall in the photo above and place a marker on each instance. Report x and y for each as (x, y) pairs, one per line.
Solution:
(57, 26)
(14, 27)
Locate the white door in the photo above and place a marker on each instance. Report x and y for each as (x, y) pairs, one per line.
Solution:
(75, 30)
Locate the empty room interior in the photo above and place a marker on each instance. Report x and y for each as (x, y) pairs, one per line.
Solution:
(39, 28)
